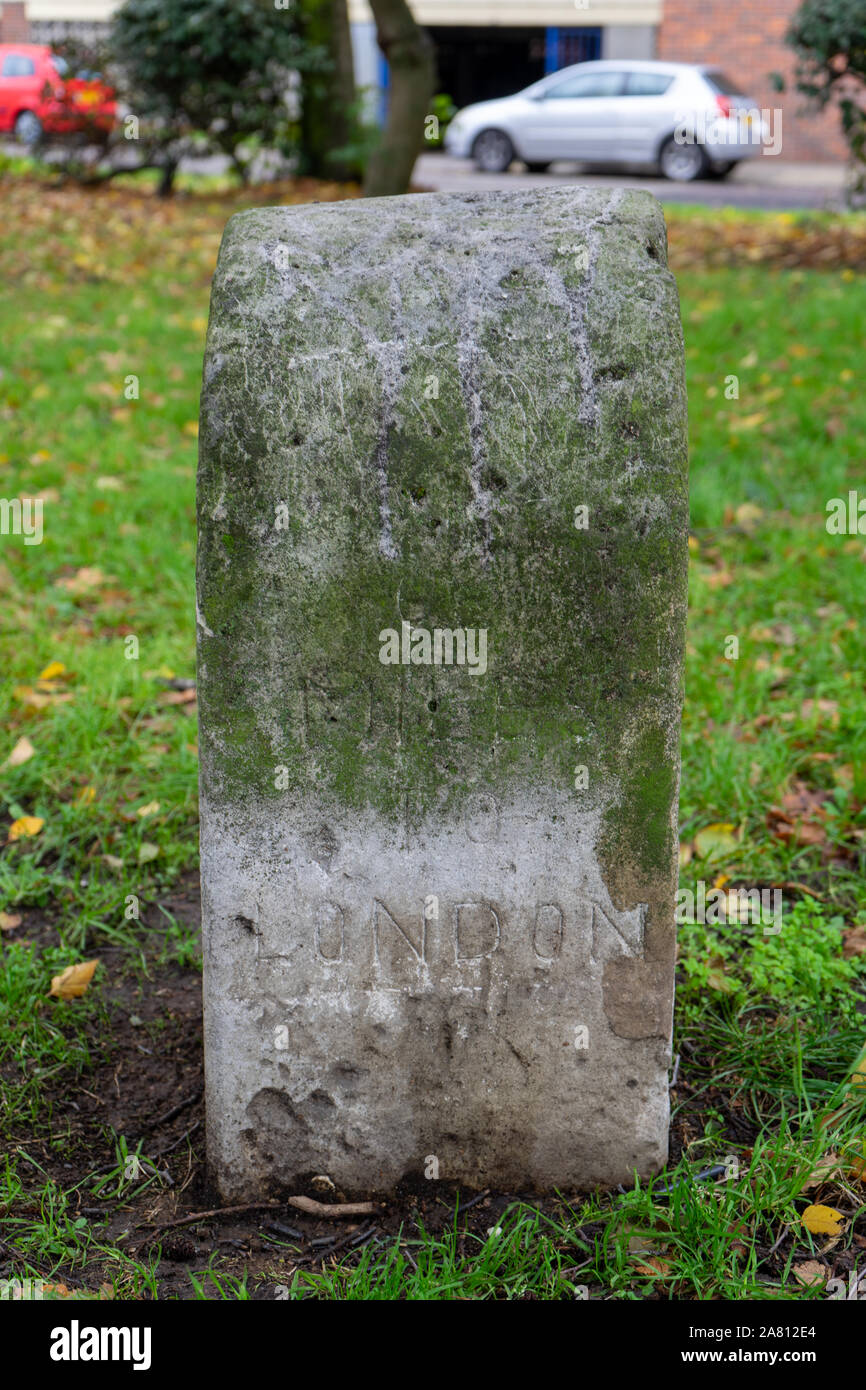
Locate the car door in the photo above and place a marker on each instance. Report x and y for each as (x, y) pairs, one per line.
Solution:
(574, 118)
(644, 115)
(18, 85)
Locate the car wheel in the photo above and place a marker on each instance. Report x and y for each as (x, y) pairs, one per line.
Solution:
(28, 128)
(535, 168)
(683, 163)
(492, 151)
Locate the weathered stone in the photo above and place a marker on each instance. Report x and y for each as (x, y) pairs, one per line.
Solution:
(439, 897)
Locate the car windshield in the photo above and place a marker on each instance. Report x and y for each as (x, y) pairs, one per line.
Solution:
(720, 83)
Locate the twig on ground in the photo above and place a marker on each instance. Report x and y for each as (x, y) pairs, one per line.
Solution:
(801, 888)
(331, 1209)
(170, 1114)
(778, 1242)
(161, 1153)
(307, 1204)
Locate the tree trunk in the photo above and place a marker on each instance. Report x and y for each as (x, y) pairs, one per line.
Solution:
(409, 52)
(166, 182)
(328, 101)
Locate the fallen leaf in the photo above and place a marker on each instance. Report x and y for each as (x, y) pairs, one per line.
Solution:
(52, 671)
(822, 1221)
(854, 942)
(10, 920)
(28, 696)
(825, 1169)
(21, 753)
(717, 980)
(714, 840)
(87, 578)
(816, 709)
(74, 980)
(176, 697)
(149, 810)
(86, 795)
(25, 828)
(654, 1267)
(810, 1272)
(858, 1075)
(147, 851)
(115, 864)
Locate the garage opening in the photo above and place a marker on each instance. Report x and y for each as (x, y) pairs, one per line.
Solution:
(477, 64)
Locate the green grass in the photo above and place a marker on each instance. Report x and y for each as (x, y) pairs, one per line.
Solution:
(114, 286)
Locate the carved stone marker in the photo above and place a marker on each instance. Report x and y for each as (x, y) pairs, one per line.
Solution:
(441, 607)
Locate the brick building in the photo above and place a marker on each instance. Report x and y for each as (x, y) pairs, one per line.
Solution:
(747, 41)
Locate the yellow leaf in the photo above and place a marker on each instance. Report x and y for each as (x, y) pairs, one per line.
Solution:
(694, 545)
(191, 427)
(146, 852)
(9, 921)
(74, 980)
(858, 1075)
(747, 422)
(21, 753)
(822, 1221)
(86, 795)
(747, 513)
(715, 840)
(149, 810)
(115, 864)
(25, 827)
(52, 671)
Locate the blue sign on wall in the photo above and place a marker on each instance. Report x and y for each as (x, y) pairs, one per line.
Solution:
(566, 46)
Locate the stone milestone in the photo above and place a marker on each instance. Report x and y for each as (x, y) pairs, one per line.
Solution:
(443, 515)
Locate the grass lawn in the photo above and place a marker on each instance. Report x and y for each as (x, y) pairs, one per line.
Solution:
(102, 321)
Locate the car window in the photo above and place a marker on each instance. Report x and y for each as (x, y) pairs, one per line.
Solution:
(61, 67)
(586, 84)
(647, 84)
(16, 65)
(720, 83)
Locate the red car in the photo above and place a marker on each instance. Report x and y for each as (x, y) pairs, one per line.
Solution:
(36, 95)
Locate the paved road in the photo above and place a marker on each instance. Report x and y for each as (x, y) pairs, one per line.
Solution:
(760, 183)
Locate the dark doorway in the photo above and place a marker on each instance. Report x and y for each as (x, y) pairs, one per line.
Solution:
(477, 64)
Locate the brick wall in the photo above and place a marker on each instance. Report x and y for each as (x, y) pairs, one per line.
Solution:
(14, 26)
(745, 38)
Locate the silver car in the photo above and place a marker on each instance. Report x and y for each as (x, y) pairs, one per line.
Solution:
(688, 121)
